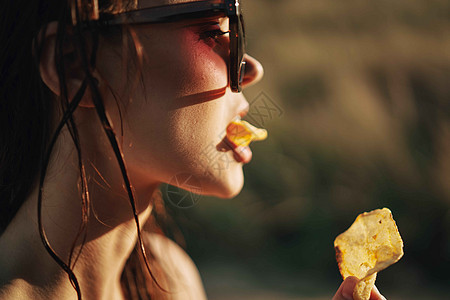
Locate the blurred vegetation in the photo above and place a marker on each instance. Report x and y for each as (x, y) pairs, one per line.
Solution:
(365, 91)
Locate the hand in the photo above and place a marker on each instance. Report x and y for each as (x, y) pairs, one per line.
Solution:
(345, 291)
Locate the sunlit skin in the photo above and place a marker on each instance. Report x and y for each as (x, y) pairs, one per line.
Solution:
(176, 124)
(180, 110)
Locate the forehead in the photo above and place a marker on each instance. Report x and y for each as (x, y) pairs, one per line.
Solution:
(154, 3)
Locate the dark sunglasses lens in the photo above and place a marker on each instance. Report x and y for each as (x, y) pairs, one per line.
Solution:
(237, 51)
(241, 49)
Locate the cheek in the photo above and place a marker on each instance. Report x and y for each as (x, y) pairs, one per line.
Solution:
(181, 143)
(185, 68)
(196, 129)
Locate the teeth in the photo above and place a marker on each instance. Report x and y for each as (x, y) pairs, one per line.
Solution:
(242, 133)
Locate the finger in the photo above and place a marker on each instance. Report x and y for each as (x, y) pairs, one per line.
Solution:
(376, 295)
(345, 291)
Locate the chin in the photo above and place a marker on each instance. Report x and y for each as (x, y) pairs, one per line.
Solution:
(226, 186)
(226, 183)
(228, 192)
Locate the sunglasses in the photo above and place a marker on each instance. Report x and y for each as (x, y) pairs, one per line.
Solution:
(192, 10)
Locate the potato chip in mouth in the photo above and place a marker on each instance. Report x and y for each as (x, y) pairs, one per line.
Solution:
(241, 133)
(370, 245)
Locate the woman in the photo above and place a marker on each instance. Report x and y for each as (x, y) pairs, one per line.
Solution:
(101, 101)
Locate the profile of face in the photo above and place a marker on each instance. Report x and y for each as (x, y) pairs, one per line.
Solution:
(178, 111)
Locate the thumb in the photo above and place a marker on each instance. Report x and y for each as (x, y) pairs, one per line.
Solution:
(376, 295)
(345, 291)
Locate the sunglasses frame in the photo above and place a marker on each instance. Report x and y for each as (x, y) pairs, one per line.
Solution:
(192, 10)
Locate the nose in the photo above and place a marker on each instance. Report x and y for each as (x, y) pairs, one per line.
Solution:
(254, 71)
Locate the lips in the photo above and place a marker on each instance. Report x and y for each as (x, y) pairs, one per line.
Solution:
(239, 136)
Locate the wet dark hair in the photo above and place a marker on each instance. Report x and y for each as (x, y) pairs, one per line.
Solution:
(27, 111)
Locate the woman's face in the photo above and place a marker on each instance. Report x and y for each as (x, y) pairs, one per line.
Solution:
(176, 117)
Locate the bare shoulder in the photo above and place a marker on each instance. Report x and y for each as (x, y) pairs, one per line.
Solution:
(178, 265)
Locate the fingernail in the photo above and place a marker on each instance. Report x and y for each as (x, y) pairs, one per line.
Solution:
(378, 292)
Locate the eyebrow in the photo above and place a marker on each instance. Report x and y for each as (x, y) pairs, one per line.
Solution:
(204, 21)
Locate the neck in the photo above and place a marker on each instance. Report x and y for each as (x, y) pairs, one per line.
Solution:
(28, 271)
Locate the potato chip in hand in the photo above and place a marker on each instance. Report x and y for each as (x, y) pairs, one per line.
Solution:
(370, 245)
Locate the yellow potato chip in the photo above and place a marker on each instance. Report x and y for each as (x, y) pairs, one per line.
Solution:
(370, 245)
(242, 133)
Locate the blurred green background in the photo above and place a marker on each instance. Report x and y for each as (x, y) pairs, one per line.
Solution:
(357, 103)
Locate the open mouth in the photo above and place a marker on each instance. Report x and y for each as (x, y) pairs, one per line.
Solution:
(239, 135)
